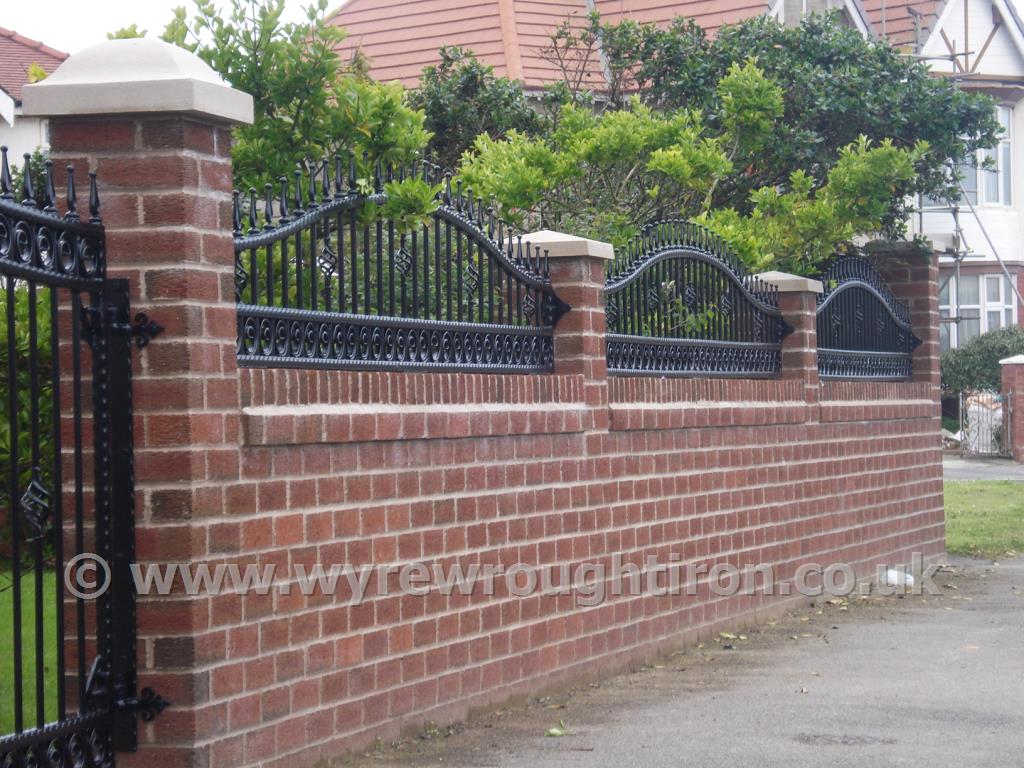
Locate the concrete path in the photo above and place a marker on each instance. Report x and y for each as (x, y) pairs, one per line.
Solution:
(955, 468)
(936, 681)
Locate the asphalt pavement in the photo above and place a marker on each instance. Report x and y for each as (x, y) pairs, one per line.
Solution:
(956, 468)
(936, 681)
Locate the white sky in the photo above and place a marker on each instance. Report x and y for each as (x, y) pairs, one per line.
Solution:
(71, 25)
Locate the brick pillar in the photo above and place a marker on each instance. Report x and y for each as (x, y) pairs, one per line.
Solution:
(798, 302)
(160, 145)
(1013, 392)
(577, 274)
(913, 277)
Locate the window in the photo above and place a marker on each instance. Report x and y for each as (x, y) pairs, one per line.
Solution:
(987, 302)
(991, 185)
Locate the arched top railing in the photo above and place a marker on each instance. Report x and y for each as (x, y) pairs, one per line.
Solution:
(680, 303)
(329, 274)
(864, 331)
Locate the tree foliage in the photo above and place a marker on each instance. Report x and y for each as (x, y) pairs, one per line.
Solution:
(606, 175)
(462, 99)
(975, 365)
(837, 87)
(307, 104)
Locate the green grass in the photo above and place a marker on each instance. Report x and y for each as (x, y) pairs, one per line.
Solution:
(985, 518)
(28, 634)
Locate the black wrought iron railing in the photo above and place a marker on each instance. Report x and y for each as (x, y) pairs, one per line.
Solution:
(864, 331)
(68, 693)
(328, 274)
(680, 304)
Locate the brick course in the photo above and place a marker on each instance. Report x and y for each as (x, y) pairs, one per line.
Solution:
(289, 467)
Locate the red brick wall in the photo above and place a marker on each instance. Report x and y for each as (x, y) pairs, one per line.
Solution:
(735, 471)
(284, 467)
(1013, 388)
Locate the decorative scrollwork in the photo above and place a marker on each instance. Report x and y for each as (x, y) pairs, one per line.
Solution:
(38, 243)
(294, 338)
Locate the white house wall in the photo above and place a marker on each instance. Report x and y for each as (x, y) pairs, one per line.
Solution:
(1005, 224)
(25, 135)
(1000, 58)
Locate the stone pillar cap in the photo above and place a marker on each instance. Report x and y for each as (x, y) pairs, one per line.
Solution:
(136, 76)
(787, 283)
(560, 245)
(1015, 360)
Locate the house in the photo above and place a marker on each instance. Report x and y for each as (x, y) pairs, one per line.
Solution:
(18, 53)
(401, 37)
(979, 42)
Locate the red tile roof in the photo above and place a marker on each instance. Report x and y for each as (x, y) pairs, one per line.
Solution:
(400, 37)
(17, 53)
(899, 21)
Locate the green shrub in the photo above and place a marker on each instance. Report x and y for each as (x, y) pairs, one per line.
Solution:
(975, 365)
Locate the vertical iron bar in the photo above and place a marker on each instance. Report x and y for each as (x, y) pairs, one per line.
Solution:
(34, 426)
(15, 503)
(58, 495)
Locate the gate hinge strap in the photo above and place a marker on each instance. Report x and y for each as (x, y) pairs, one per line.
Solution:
(147, 705)
(144, 330)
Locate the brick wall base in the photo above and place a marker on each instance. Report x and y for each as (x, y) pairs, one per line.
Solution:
(378, 468)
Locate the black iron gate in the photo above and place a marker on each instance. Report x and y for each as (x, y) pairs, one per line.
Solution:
(67, 600)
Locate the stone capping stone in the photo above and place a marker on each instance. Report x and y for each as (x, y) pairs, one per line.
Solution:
(133, 77)
(1015, 360)
(787, 283)
(562, 246)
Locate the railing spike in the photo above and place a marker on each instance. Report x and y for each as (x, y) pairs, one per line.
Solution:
(49, 193)
(72, 195)
(94, 199)
(459, 201)
(377, 184)
(28, 192)
(268, 206)
(298, 191)
(325, 180)
(447, 189)
(284, 198)
(312, 169)
(252, 211)
(338, 182)
(351, 171)
(5, 175)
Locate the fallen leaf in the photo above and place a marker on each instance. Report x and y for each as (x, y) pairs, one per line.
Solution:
(558, 730)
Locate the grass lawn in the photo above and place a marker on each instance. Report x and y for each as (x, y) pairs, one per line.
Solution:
(984, 518)
(28, 634)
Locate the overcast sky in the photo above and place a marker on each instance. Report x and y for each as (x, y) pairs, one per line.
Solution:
(71, 25)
